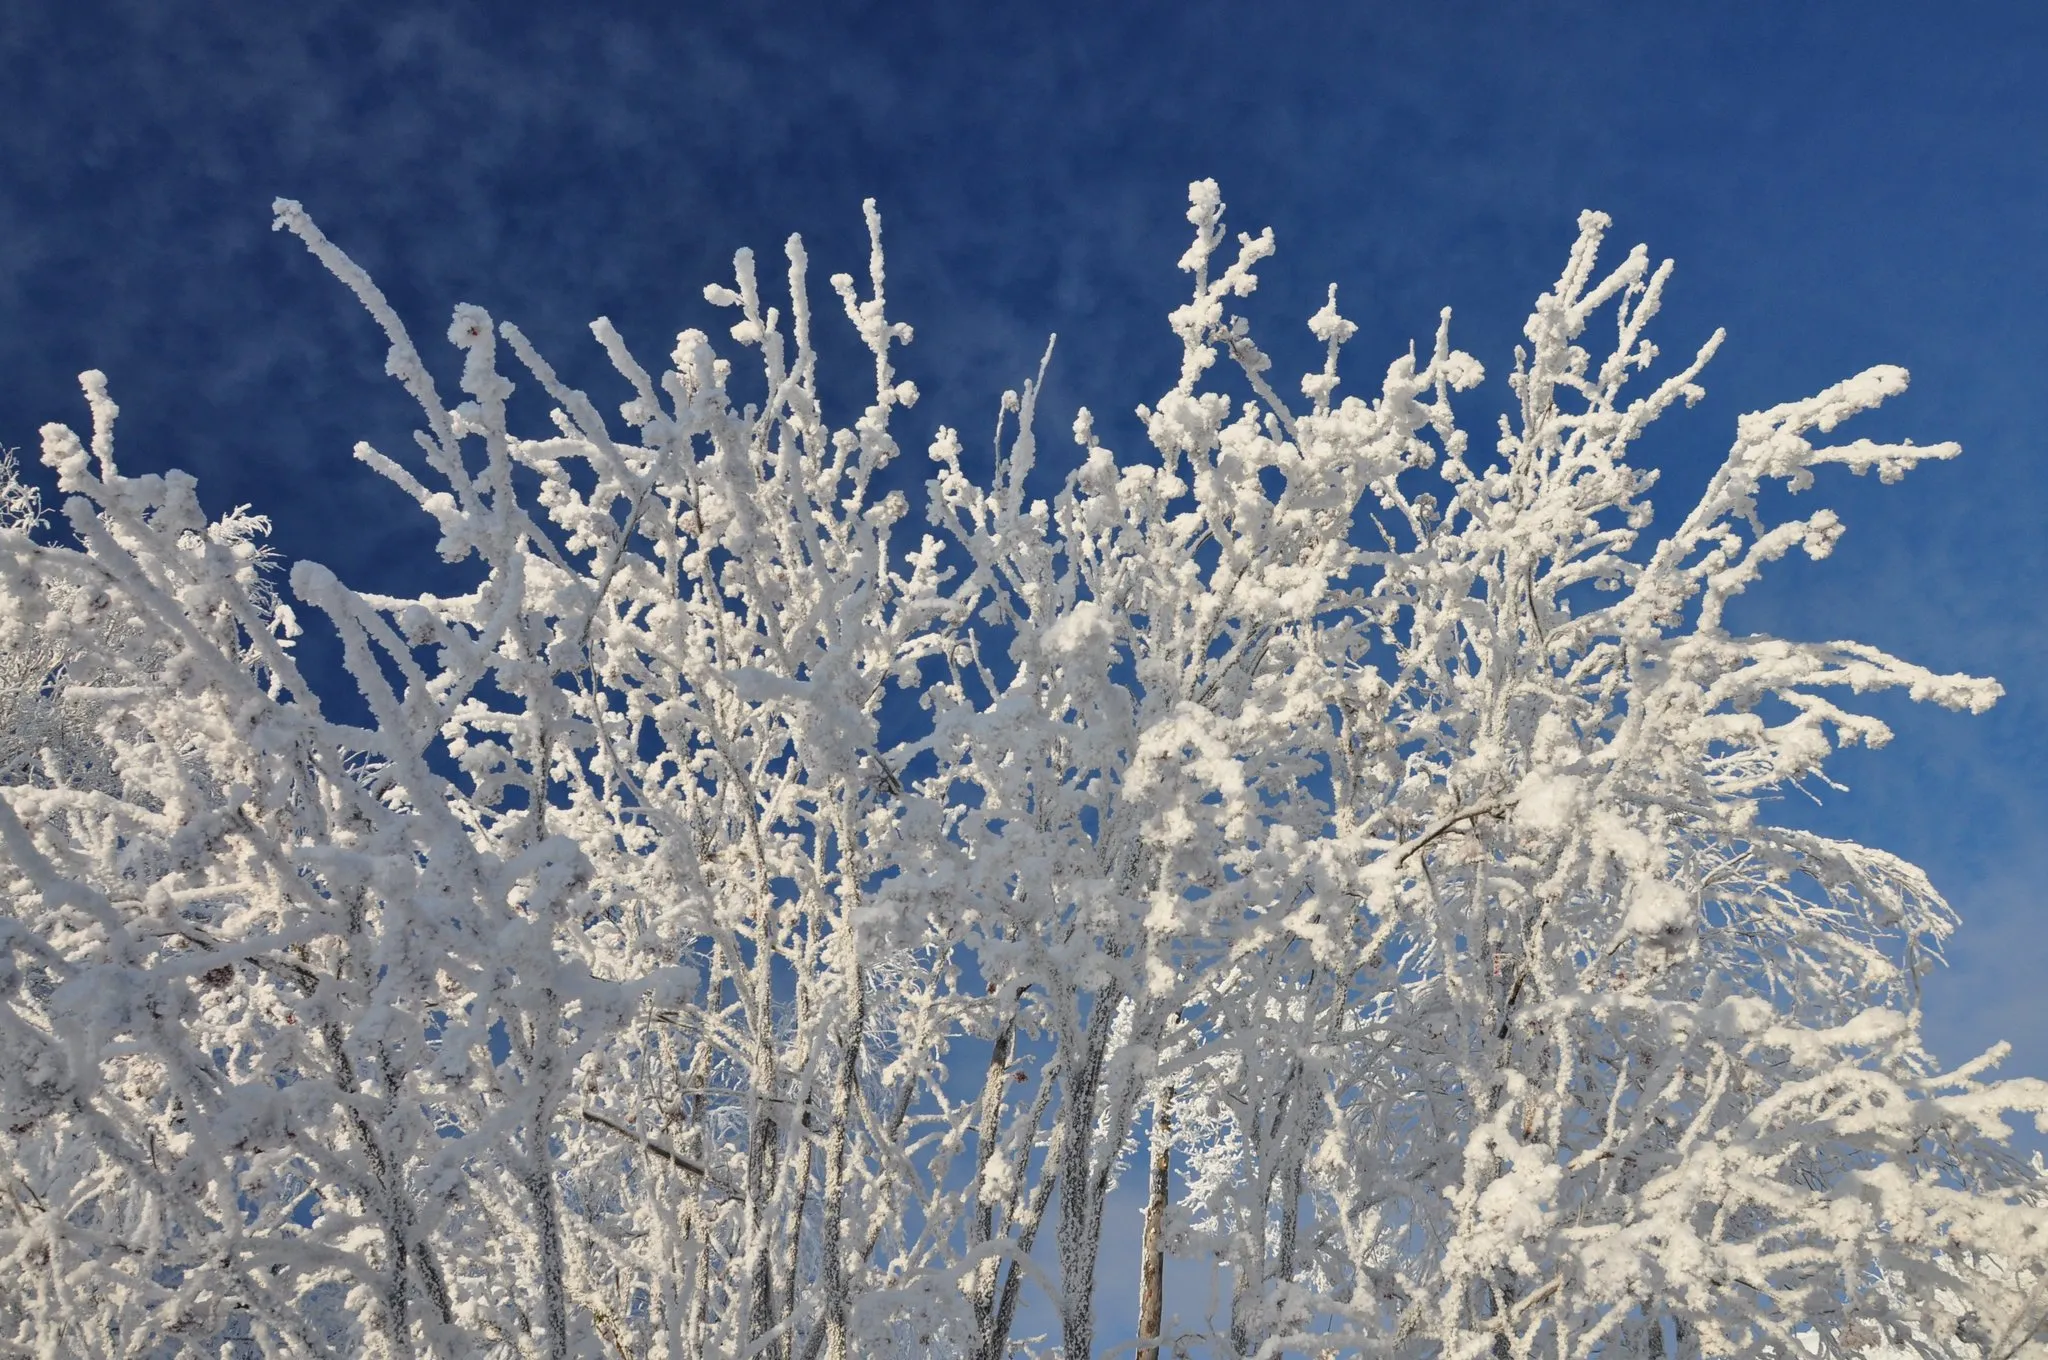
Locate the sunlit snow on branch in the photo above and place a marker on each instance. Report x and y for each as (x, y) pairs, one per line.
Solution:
(1358, 833)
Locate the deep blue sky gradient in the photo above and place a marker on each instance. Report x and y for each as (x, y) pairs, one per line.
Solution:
(1841, 184)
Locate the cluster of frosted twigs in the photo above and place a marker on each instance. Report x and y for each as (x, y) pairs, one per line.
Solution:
(1365, 835)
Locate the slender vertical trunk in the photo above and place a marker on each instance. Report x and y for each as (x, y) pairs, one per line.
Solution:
(540, 1177)
(981, 1224)
(796, 1243)
(540, 1187)
(763, 1141)
(759, 1266)
(1080, 1225)
(397, 1286)
(1290, 1220)
(1022, 1215)
(1248, 1283)
(698, 1338)
(1152, 1266)
(830, 1334)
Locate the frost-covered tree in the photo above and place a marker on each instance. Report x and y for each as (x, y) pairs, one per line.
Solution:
(749, 923)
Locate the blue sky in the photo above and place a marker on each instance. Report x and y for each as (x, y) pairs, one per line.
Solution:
(1841, 185)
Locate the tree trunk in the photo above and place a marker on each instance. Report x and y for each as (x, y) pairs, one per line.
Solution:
(1152, 1268)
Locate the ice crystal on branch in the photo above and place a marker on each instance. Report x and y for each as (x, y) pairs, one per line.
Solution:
(1371, 827)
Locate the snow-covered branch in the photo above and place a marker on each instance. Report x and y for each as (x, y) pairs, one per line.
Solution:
(1394, 815)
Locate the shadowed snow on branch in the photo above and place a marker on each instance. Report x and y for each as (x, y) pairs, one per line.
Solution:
(1391, 812)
